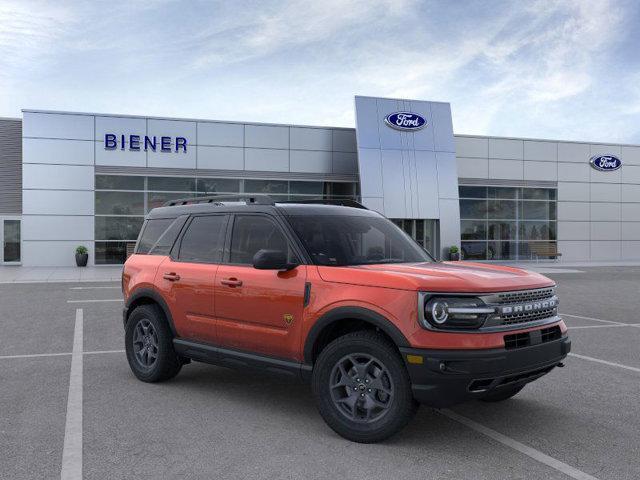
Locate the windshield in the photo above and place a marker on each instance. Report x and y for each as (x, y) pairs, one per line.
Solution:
(356, 240)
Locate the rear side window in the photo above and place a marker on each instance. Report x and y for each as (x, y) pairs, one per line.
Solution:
(203, 240)
(252, 233)
(151, 232)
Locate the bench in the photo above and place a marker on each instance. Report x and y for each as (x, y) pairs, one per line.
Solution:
(544, 249)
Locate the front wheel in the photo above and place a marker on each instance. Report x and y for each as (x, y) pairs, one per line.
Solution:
(149, 345)
(362, 388)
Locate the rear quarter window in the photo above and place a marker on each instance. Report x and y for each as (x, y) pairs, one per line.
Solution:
(158, 235)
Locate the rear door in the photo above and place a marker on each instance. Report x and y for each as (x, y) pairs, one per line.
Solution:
(186, 278)
(259, 310)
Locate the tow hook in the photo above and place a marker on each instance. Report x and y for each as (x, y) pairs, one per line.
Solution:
(560, 365)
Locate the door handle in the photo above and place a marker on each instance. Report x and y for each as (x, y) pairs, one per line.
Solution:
(172, 277)
(231, 282)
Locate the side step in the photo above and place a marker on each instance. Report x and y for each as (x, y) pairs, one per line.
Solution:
(224, 357)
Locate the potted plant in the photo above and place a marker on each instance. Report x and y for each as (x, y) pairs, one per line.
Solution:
(454, 253)
(82, 256)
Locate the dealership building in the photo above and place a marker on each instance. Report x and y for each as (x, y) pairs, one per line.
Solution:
(70, 179)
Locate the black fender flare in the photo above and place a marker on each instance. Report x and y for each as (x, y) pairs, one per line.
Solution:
(351, 313)
(149, 293)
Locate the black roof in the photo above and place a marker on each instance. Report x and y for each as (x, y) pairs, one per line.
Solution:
(257, 203)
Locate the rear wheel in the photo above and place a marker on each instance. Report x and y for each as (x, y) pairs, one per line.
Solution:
(502, 394)
(149, 345)
(362, 388)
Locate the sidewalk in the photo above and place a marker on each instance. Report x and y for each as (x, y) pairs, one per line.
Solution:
(18, 274)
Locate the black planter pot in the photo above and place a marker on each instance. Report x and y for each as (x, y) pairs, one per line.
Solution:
(454, 256)
(81, 259)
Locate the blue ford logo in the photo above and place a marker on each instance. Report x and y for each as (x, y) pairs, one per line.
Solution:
(405, 121)
(605, 163)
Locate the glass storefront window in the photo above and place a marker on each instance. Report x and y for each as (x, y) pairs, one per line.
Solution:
(119, 182)
(306, 188)
(503, 224)
(117, 228)
(119, 203)
(110, 253)
(171, 184)
(218, 185)
(266, 186)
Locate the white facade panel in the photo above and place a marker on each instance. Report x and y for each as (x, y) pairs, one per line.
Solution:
(442, 127)
(543, 151)
(266, 160)
(220, 158)
(605, 230)
(393, 181)
(344, 141)
(449, 223)
(266, 136)
(506, 149)
(220, 134)
(173, 159)
(606, 150)
(574, 250)
(630, 231)
(605, 250)
(473, 167)
(630, 155)
(374, 203)
(370, 172)
(630, 193)
(120, 126)
(630, 250)
(310, 161)
(367, 122)
(311, 139)
(597, 176)
(574, 172)
(447, 175)
(70, 152)
(57, 125)
(432, 133)
(573, 192)
(172, 128)
(427, 180)
(540, 171)
(602, 212)
(472, 147)
(344, 162)
(573, 152)
(605, 192)
(61, 177)
(575, 211)
(630, 174)
(573, 230)
(58, 227)
(119, 157)
(506, 169)
(630, 212)
(52, 253)
(57, 202)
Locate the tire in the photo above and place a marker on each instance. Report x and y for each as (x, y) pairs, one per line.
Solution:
(502, 394)
(388, 408)
(149, 321)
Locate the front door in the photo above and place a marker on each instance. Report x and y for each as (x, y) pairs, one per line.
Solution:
(186, 279)
(259, 310)
(10, 237)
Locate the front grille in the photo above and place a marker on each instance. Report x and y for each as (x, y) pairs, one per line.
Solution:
(525, 295)
(523, 317)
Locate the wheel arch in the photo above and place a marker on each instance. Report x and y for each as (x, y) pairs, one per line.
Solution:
(147, 296)
(337, 317)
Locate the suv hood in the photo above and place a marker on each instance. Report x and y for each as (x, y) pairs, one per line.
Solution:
(467, 277)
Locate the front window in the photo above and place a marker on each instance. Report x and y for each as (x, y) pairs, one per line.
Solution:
(341, 240)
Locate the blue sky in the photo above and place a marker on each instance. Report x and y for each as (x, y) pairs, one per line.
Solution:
(565, 69)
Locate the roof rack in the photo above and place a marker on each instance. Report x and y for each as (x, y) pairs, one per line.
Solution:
(249, 199)
(340, 202)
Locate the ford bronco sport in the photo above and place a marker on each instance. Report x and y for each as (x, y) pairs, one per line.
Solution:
(338, 296)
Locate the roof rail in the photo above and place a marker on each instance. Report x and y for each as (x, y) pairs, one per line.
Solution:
(249, 199)
(340, 202)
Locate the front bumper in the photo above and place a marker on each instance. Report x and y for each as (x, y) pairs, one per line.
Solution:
(447, 377)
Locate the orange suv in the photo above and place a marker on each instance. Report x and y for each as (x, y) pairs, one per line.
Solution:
(336, 295)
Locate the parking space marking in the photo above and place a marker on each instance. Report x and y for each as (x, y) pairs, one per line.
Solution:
(96, 301)
(34, 355)
(100, 352)
(592, 318)
(605, 326)
(72, 450)
(520, 447)
(605, 362)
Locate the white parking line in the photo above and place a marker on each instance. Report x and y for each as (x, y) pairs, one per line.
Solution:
(605, 326)
(72, 450)
(591, 318)
(605, 362)
(520, 447)
(95, 301)
(95, 288)
(62, 354)
(101, 352)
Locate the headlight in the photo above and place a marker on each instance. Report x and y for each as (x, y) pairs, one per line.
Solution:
(454, 312)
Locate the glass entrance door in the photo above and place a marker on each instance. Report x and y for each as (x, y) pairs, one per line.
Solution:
(10, 235)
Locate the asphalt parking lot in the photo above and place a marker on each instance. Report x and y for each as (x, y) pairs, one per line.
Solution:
(69, 404)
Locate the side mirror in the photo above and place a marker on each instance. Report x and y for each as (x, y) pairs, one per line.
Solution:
(272, 260)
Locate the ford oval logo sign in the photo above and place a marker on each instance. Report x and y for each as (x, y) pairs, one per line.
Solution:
(605, 163)
(405, 121)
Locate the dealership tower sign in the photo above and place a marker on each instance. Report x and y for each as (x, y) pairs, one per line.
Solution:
(405, 121)
(605, 163)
